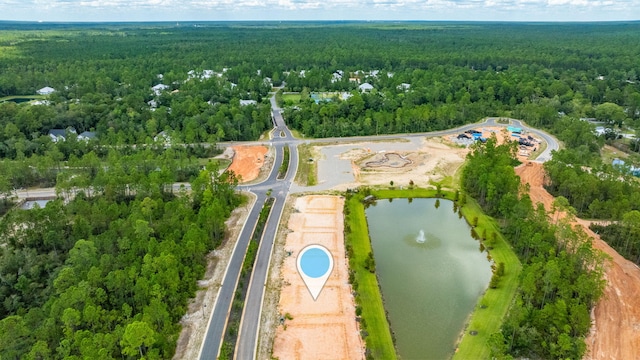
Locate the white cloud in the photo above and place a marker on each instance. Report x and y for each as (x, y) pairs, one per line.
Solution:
(128, 10)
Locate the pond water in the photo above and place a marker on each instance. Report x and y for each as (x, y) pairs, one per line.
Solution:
(30, 204)
(21, 99)
(431, 273)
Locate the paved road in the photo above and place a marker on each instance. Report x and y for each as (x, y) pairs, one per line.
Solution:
(248, 333)
(249, 327)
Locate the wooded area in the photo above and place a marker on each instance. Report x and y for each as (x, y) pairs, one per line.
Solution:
(562, 275)
(108, 274)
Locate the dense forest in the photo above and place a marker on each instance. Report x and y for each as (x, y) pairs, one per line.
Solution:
(106, 273)
(562, 276)
(105, 277)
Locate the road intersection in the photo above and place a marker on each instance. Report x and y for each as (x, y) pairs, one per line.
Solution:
(279, 189)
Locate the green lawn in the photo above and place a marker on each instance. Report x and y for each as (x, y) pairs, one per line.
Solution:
(223, 164)
(379, 341)
(291, 98)
(487, 321)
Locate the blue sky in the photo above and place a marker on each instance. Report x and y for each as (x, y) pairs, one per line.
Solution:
(201, 10)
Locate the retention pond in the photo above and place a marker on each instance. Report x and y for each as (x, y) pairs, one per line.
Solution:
(431, 273)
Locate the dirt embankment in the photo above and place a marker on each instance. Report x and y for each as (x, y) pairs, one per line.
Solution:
(615, 330)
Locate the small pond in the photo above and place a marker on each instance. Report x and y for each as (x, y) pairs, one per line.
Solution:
(431, 273)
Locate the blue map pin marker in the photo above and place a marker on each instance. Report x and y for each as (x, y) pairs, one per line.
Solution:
(314, 265)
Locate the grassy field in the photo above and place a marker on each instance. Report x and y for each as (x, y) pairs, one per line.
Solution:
(493, 305)
(379, 341)
(223, 164)
(291, 98)
(307, 170)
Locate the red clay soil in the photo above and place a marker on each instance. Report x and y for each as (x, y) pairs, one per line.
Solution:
(615, 330)
(247, 161)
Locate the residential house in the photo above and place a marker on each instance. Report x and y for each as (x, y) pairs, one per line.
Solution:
(46, 91)
(60, 134)
(87, 135)
(158, 89)
(337, 76)
(248, 102)
(163, 137)
(404, 86)
(366, 87)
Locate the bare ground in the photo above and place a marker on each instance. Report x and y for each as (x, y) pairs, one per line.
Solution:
(325, 328)
(248, 161)
(615, 330)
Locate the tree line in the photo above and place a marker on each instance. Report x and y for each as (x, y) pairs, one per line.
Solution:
(109, 274)
(562, 276)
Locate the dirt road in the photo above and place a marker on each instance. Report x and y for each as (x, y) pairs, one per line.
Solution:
(615, 331)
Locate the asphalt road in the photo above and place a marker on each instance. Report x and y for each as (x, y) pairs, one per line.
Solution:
(248, 332)
(249, 327)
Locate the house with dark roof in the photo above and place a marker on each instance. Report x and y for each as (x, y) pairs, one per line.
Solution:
(61, 134)
(87, 135)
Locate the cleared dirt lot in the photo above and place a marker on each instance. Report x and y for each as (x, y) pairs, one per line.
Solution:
(247, 161)
(325, 328)
(615, 330)
(419, 160)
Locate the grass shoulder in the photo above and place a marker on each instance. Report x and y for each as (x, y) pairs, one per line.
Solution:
(373, 321)
(307, 174)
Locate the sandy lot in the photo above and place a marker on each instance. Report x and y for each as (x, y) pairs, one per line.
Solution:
(325, 328)
(247, 161)
(615, 331)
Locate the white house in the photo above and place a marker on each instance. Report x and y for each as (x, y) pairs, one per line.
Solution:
(248, 102)
(163, 138)
(345, 95)
(404, 86)
(46, 91)
(366, 87)
(158, 89)
(337, 76)
(207, 74)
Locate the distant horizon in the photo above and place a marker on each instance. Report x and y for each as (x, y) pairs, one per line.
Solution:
(178, 22)
(92, 11)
